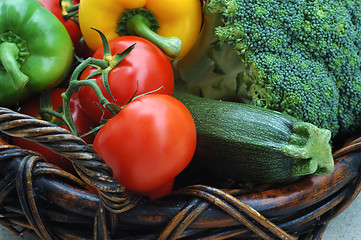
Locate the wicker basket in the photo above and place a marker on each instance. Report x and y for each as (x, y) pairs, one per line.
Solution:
(41, 198)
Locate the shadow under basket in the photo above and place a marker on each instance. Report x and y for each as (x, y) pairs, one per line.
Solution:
(40, 198)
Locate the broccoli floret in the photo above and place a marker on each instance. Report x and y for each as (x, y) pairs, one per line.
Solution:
(294, 56)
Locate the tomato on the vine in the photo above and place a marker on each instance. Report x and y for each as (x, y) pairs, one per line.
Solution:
(81, 120)
(148, 143)
(145, 69)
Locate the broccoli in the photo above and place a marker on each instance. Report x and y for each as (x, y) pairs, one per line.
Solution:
(294, 56)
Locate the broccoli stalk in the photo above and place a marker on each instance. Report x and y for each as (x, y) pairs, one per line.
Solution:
(298, 57)
(211, 67)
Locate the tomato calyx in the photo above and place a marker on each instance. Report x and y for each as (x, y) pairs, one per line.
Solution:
(113, 61)
(104, 66)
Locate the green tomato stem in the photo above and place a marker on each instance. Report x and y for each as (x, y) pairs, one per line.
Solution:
(106, 48)
(73, 87)
(9, 53)
(70, 11)
(67, 117)
(52, 113)
(75, 84)
(103, 64)
(44, 105)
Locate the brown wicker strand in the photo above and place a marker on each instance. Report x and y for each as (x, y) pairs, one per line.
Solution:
(353, 146)
(100, 224)
(8, 184)
(313, 216)
(26, 196)
(183, 219)
(11, 228)
(61, 141)
(239, 211)
(349, 198)
(53, 170)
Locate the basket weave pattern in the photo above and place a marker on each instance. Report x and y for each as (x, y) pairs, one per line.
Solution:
(39, 197)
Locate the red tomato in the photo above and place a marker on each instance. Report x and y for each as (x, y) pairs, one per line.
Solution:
(149, 142)
(81, 120)
(161, 191)
(146, 65)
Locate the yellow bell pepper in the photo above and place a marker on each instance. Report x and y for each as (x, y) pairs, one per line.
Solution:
(172, 25)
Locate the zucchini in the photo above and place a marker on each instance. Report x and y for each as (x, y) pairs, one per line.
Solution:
(254, 144)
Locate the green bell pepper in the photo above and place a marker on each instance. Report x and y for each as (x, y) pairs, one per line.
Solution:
(36, 51)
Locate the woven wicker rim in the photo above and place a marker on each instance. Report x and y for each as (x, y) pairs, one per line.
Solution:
(30, 186)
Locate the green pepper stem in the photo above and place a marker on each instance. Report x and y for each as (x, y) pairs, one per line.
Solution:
(139, 25)
(9, 52)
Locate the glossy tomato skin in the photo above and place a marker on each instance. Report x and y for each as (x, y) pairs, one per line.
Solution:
(148, 143)
(160, 191)
(146, 66)
(83, 123)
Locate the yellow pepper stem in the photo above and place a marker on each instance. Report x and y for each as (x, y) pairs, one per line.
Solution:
(140, 22)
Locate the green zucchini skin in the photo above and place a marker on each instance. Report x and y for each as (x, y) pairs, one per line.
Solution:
(254, 144)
